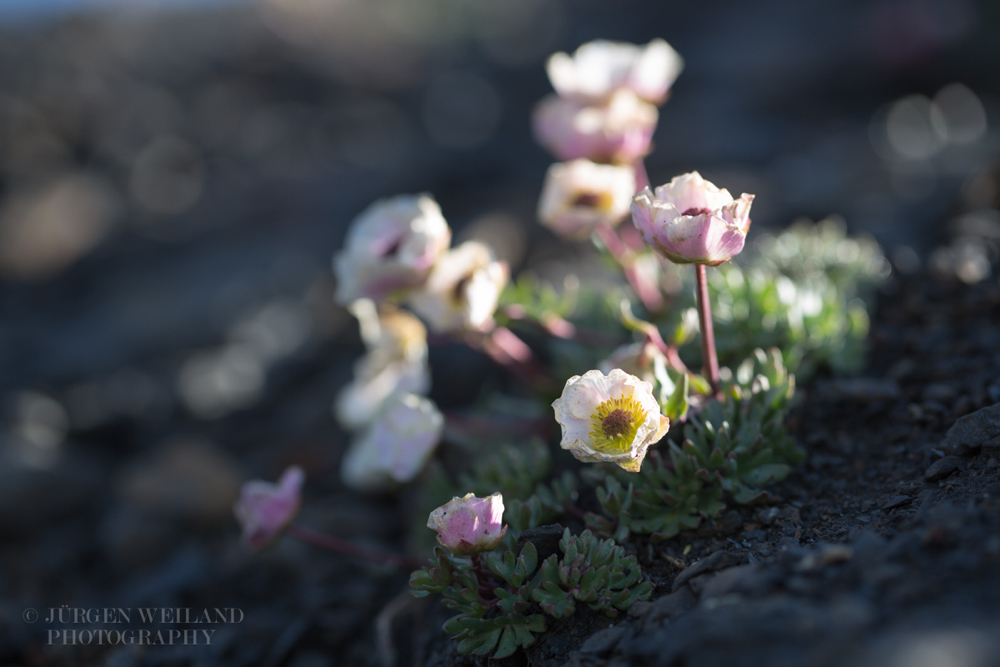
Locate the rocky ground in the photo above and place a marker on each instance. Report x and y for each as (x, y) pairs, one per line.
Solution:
(882, 549)
(171, 191)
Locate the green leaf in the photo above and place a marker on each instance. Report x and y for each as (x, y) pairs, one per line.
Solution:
(508, 643)
(481, 643)
(676, 407)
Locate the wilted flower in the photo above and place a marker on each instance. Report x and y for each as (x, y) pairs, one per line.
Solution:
(462, 291)
(618, 130)
(395, 447)
(392, 244)
(690, 221)
(469, 525)
(396, 362)
(613, 418)
(580, 195)
(600, 67)
(265, 509)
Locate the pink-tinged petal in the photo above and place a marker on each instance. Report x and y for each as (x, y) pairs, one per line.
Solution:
(578, 435)
(265, 510)
(469, 525)
(619, 129)
(390, 245)
(599, 68)
(690, 221)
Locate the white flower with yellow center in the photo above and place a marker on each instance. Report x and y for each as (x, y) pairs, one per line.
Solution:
(462, 290)
(580, 195)
(612, 418)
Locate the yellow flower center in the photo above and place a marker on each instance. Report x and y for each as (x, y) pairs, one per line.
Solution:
(601, 201)
(614, 425)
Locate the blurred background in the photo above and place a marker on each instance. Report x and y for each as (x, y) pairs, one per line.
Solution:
(175, 176)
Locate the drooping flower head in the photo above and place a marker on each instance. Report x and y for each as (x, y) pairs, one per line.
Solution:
(618, 130)
(396, 362)
(580, 195)
(462, 291)
(469, 525)
(613, 418)
(265, 509)
(395, 447)
(690, 221)
(600, 67)
(391, 245)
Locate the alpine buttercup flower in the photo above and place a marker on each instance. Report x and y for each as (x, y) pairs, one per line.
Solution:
(392, 244)
(600, 67)
(580, 195)
(265, 509)
(618, 130)
(690, 221)
(612, 418)
(395, 447)
(462, 291)
(396, 362)
(469, 525)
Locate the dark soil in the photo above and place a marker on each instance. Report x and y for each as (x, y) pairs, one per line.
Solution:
(883, 547)
(120, 456)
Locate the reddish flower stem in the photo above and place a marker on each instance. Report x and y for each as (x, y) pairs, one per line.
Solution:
(504, 347)
(711, 361)
(648, 294)
(402, 561)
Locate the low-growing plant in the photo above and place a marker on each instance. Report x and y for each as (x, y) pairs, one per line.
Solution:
(502, 596)
(732, 448)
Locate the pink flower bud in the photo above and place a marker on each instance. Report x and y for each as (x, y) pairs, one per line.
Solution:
(618, 130)
(265, 509)
(690, 221)
(469, 525)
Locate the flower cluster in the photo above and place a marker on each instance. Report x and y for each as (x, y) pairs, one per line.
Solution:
(603, 111)
(397, 252)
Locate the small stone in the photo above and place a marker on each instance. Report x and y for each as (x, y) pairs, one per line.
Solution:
(671, 606)
(973, 430)
(728, 581)
(830, 554)
(942, 468)
(602, 642)
(717, 561)
(937, 391)
(896, 501)
(639, 609)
